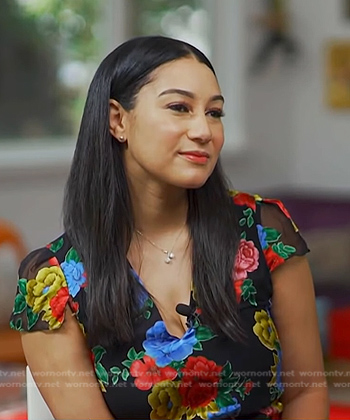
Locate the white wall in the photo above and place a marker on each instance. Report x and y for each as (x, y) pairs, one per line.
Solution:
(293, 140)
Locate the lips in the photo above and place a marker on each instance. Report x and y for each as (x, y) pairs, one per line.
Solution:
(196, 153)
(196, 156)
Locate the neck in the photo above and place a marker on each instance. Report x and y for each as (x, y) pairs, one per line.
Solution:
(158, 210)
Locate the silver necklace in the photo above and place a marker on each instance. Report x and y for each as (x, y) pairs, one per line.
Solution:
(169, 254)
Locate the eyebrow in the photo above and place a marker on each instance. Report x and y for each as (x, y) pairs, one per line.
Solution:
(190, 94)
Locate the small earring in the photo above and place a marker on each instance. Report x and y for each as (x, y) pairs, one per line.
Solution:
(121, 139)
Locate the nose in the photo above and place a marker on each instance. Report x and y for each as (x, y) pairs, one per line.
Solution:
(200, 129)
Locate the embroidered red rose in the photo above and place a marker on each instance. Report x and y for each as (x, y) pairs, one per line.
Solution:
(273, 260)
(147, 373)
(199, 384)
(243, 199)
(247, 260)
(58, 303)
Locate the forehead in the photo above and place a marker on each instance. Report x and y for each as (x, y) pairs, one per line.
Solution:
(185, 73)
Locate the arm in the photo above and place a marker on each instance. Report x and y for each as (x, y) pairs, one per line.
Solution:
(294, 310)
(63, 354)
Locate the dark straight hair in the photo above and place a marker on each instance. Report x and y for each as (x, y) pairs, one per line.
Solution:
(98, 215)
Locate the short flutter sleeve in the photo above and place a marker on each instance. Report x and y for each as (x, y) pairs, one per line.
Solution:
(42, 293)
(279, 236)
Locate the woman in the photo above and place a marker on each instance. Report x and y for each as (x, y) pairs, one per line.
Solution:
(159, 295)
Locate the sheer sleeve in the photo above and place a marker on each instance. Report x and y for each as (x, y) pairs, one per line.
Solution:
(42, 293)
(279, 236)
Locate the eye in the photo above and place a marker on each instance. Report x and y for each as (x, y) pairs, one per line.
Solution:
(179, 108)
(216, 113)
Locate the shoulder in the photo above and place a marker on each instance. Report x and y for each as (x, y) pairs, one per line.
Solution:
(49, 278)
(278, 236)
(255, 201)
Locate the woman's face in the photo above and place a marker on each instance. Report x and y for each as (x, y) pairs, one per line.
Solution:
(175, 133)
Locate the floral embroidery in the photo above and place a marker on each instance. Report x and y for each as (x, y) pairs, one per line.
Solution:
(265, 329)
(166, 348)
(75, 276)
(165, 401)
(244, 199)
(181, 382)
(41, 292)
(200, 377)
(247, 260)
(147, 373)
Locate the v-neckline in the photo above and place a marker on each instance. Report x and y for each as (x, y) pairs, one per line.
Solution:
(191, 304)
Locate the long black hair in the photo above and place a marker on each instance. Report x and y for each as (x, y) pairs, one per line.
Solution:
(98, 215)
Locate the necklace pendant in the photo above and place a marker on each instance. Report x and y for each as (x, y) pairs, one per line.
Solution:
(169, 257)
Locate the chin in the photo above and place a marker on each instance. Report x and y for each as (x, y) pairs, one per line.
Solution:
(194, 183)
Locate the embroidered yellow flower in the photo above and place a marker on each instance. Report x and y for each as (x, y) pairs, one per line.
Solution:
(274, 370)
(165, 401)
(44, 287)
(265, 329)
(202, 412)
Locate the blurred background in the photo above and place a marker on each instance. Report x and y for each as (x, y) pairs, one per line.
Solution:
(284, 69)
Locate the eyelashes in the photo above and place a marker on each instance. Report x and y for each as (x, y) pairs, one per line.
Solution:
(183, 109)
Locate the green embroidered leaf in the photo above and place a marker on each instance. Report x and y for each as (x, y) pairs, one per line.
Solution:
(17, 325)
(252, 300)
(284, 251)
(226, 370)
(115, 370)
(240, 389)
(248, 212)
(229, 383)
(140, 355)
(101, 373)
(127, 363)
(147, 314)
(132, 355)
(224, 400)
(20, 304)
(149, 303)
(204, 333)
(244, 235)
(289, 249)
(272, 235)
(115, 379)
(177, 365)
(32, 318)
(125, 374)
(72, 255)
(242, 221)
(198, 346)
(249, 291)
(98, 351)
(250, 221)
(22, 286)
(56, 246)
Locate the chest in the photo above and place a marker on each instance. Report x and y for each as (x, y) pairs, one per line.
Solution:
(168, 284)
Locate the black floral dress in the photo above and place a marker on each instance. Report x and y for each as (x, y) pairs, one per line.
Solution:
(160, 376)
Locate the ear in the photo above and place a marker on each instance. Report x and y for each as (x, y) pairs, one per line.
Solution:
(117, 120)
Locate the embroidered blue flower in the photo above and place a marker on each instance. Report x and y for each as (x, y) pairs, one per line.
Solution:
(226, 412)
(73, 273)
(262, 236)
(166, 348)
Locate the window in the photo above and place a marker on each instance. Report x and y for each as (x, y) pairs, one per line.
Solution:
(48, 50)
